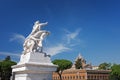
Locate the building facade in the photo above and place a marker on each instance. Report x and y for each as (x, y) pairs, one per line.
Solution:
(88, 72)
(83, 75)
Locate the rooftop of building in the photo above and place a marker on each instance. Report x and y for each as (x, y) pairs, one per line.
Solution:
(86, 71)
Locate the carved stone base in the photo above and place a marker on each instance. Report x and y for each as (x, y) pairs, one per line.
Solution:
(35, 57)
(33, 71)
(34, 66)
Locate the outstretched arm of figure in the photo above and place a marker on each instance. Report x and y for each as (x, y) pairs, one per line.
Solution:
(43, 24)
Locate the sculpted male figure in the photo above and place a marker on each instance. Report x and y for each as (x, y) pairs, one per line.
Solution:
(37, 27)
(34, 40)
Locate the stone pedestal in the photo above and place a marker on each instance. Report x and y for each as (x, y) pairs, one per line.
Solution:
(34, 66)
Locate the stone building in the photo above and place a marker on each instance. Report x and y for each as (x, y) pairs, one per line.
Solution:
(87, 73)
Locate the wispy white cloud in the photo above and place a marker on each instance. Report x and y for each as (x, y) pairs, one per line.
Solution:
(17, 37)
(70, 40)
(59, 48)
(72, 35)
(10, 54)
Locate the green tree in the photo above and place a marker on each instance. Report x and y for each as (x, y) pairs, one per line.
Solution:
(8, 58)
(104, 66)
(78, 64)
(0, 70)
(62, 65)
(6, 69)
(115, 72)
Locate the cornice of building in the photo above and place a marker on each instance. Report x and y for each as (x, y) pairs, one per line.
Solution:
(98, 71)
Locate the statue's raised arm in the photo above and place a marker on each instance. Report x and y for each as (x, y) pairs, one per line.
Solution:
(37, 26)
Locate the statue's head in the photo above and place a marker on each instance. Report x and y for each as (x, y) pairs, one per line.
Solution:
(37, 22)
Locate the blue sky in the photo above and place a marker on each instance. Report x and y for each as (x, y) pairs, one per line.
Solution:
(88, 27)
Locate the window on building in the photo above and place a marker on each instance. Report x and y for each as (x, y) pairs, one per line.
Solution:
(88, 77)
(91, 77)
(80, 77)
(95, 77)
(73, 77)
(65, 77)
(76, 77)
(83, 77)
(68, 77)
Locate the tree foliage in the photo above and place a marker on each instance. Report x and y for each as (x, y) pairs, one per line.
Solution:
(0, 69)
(5, 67)
(105, 66)
(115, 72)
(78, 64)
(62, 65)
(8, 58)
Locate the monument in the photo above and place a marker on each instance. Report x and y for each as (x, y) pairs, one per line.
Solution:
(34, 64)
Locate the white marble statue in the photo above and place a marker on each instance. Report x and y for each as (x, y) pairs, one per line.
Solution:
(34, 64)
(33, 43)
